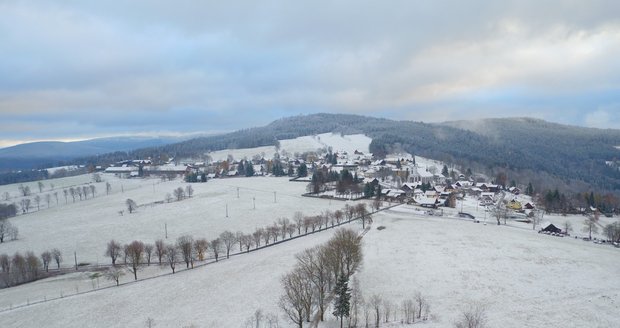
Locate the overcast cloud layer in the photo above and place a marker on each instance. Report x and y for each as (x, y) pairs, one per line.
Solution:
(78, 69)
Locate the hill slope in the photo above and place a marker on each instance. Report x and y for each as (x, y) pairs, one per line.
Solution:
(548, 154)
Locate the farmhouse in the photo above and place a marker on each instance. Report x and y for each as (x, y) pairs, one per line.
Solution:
(548, 226)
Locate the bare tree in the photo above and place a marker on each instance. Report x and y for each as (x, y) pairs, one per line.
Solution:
(239, 238)
(200, 248)
(568, 227)
(93, 190)
(150, 322)
(25, 204)
(37, 200)
(362, 212)
(79, 192)
(189, 190)
(48, 199)
(56, 196)
(247, 242)
(108, 188)
(185, 245)
(172, 254)
(135, 253)
(97, 177)
(46, 257)
(40, 185)
(344, 253)
(114, 274)
(113, 250)
(228, 239)
(590, 224)
(294, 301)
(338, 215)
(5, 229)
(85, 191)
(257, 235)
(298, 218)
(283, 223)
(57, 255)
(6, 196)
(33, 264)
(375, 303)
(408, 311)
(357, 300)
(24, 190)
(216, 247)
(148, 252)
(179, 194)
(388, 310)
(160, 249)
(313, 263)
(291, 229)
(131, 205)
(273, 231)
(473, 317)
(20, 269)
(73, 193)
(612, 231)
(421, 304)
(65, 193)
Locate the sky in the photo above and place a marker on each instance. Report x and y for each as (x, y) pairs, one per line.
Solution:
(72, 70)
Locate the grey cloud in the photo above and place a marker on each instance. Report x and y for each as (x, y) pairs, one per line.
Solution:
(401, 59)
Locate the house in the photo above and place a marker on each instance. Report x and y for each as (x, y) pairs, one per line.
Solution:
(428, 202)
(529, 206)
(548, 226)
(514, 190)
(232, 173)
(515, 205)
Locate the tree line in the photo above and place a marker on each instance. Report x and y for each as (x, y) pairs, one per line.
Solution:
(18, 269)
(188, 249)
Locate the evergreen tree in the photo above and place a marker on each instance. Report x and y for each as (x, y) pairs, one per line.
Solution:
(203, 177)
(241, 167)
(529, 190)
(249, 170)
(444, 171)
(342, 302)
(302, 170)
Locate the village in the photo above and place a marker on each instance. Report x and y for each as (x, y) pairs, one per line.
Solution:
(397, 178)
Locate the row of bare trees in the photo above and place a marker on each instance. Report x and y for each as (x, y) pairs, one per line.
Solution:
(187, 250)
(18, 269)
(310, 286)
(377, 310)
(179, 194)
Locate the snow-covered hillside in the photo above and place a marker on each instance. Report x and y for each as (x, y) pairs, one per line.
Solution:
(523, 278)
(86, 226)
(337, 142)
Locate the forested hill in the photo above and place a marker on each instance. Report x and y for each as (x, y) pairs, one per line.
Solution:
(549, 154)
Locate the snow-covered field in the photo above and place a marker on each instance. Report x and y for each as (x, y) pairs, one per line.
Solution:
(224, 294)
(525, 279)
(86, 226)
(348, 143)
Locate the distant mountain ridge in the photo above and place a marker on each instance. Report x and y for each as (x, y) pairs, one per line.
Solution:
(33, 154)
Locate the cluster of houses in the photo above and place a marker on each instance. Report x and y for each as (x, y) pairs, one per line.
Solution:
(398, 176)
